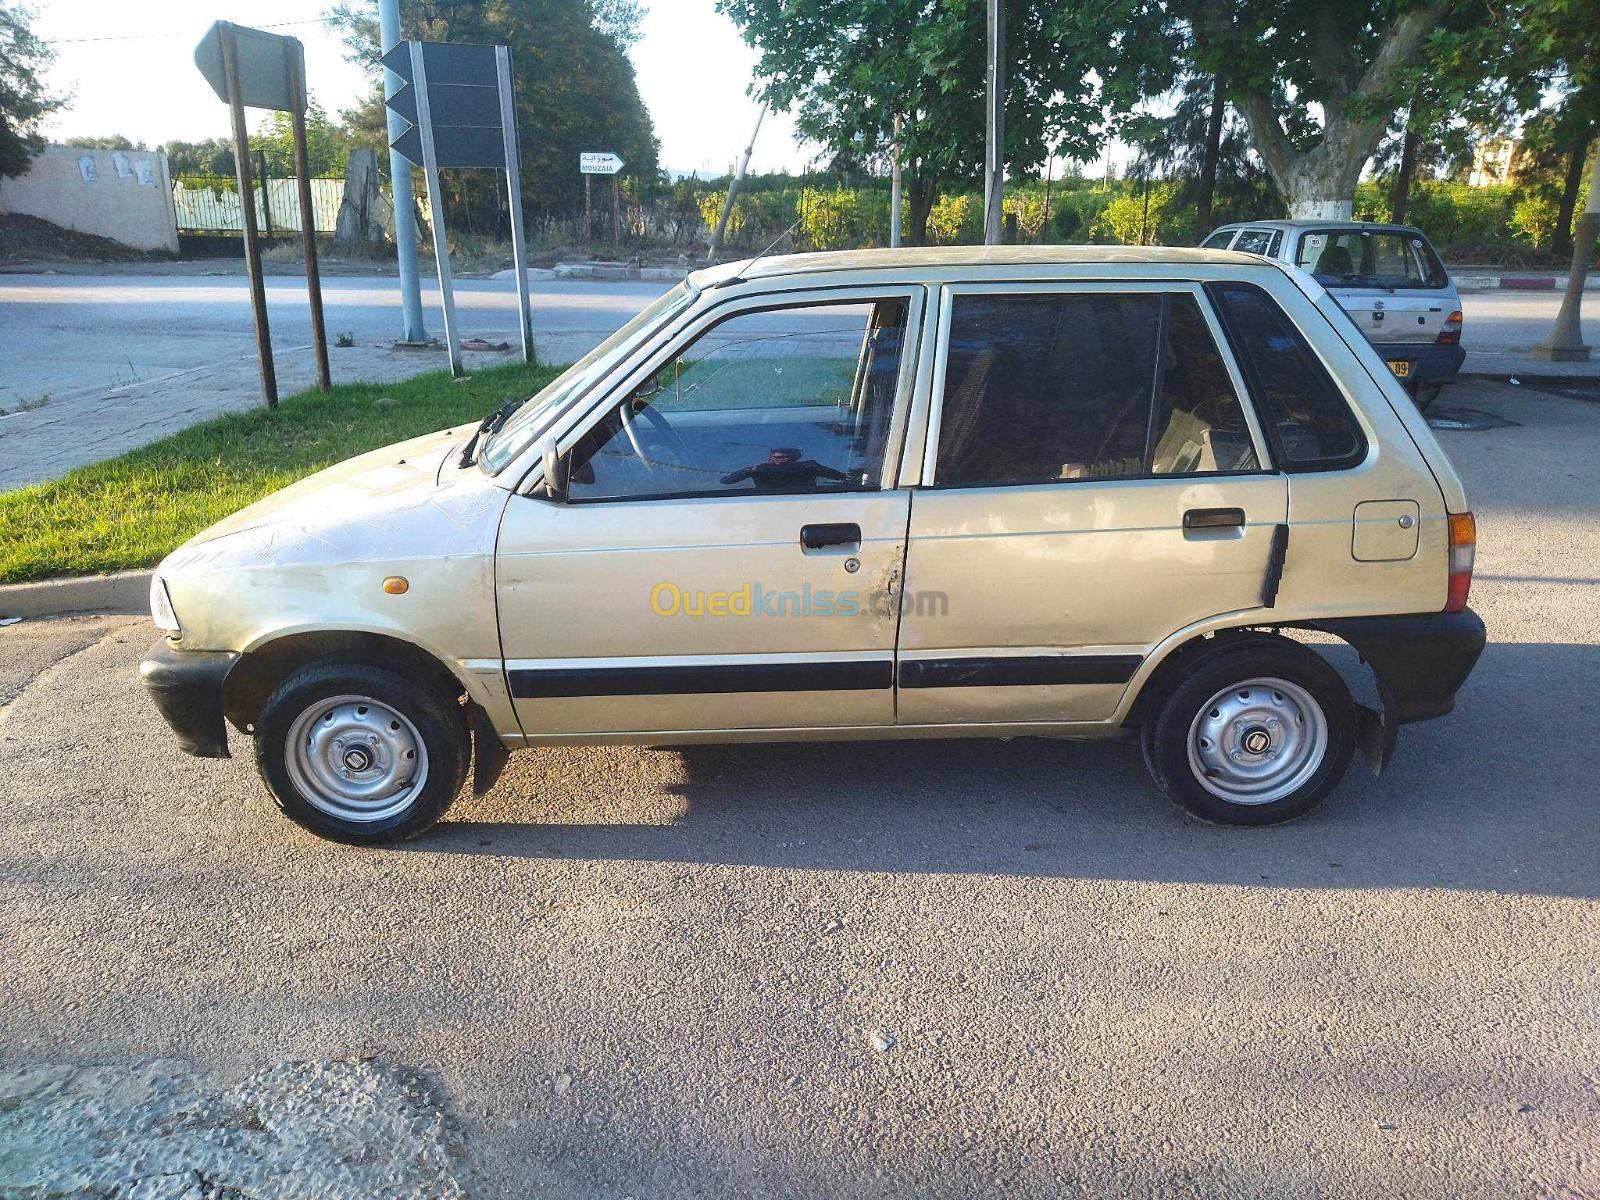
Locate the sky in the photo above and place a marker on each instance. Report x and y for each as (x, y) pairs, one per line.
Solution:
(128, 66)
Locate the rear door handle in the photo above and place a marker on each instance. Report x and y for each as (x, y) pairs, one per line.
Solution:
(818, 537)
(1214, 518)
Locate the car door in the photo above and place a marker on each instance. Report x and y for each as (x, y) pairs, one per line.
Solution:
(1092, 483)
(725, 554)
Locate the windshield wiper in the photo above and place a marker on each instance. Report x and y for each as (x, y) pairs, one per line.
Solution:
(490, 425)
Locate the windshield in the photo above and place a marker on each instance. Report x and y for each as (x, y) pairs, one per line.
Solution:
(1346, 258)
(532, 420)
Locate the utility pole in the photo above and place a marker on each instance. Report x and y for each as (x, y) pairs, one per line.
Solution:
(405, 209)
(894, 187)
(247, 201)
(994, 167)
(1565, 343)
(308, 218)
(733, 189)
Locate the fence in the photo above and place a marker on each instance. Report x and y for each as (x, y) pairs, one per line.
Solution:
(210, 204)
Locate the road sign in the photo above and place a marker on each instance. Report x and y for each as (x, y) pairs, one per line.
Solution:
(459, 110)
(463, 101)
(268, 65)
(599, 163)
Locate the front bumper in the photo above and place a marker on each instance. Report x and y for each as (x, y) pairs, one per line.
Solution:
(1429, 361)
(186, 686)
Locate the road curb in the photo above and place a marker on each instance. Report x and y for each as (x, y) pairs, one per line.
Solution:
(124, 592)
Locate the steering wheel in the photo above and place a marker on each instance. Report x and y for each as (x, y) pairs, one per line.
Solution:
(666, 436)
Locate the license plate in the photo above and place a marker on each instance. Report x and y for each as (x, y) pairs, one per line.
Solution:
(1400, 367)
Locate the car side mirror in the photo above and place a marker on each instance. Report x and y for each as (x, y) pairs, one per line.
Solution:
(555, 473)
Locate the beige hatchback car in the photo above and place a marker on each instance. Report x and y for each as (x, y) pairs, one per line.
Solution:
(1052, 491)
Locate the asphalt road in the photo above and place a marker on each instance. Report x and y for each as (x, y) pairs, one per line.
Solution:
(941, 969)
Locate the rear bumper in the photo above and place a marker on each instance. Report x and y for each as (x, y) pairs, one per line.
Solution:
(186, 686)
(1421, 659)
(1430, 362)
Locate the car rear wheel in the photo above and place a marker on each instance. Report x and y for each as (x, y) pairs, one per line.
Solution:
(360, 754)
(1255, 734)
(1425, 394)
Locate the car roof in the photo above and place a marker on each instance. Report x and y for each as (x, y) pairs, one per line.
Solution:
(942, 257)
(1303, 224)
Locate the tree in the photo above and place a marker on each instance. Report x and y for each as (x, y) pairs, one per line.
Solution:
(848, 67)
(213, 156)
(327, 144)
(1282, 57)
(114, 141)
(24, 99)
(575, 89)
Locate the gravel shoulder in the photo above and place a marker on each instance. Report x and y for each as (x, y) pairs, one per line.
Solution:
(943, 969)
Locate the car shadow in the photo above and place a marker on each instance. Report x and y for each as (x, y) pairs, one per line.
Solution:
(1500, 796)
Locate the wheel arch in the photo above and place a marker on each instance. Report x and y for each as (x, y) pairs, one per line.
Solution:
(267, 664)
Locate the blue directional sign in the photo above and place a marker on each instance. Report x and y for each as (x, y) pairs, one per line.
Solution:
(463, 101)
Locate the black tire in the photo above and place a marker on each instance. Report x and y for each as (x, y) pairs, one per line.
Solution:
(1168, 745)
(1425, 394)
(438, 720)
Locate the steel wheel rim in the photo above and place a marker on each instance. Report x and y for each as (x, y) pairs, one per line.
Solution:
(1257, 741)
(356, 758)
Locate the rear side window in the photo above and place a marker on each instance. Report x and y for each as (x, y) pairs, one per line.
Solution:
(1308, 422)
(1055, 388)
(1255, 241)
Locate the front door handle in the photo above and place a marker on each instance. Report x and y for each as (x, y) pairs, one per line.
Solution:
(1214, 518)
(817, 537)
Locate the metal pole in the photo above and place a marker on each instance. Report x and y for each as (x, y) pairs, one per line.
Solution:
(733, 189)
(894, 187)
(405, 209)
(519, 237)
(441, 244)
(1565, 343)
(995, 126)
(588, 208)
(266, 193)
(616, 211)
(308, 216)
(247, 206)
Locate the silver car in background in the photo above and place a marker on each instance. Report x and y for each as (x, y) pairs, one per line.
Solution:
(1387, 277)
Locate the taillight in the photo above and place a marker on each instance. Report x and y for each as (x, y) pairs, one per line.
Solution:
(1450, 332)
(1463, 550)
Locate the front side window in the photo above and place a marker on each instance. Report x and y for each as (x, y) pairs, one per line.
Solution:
(1218, 240)
(1044, 388)
(1307, 419)
(775, 401)
(1364, 258)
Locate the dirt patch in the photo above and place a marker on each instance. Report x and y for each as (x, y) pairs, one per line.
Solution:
(33, 239)
(165, 1131)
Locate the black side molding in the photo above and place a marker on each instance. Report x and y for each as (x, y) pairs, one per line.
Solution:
(535, 683)
(1018, 671)
(186, 686)
(1277, 555)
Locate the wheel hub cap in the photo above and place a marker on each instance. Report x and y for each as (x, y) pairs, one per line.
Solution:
(1257, 741)
(356, 758)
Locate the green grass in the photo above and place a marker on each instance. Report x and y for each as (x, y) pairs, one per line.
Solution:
(130, 511)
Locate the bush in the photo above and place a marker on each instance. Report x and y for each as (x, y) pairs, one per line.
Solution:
(1534, 220)
(956, 219)
(1136, 219)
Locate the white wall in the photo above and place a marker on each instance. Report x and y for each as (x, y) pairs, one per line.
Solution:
(125, 195)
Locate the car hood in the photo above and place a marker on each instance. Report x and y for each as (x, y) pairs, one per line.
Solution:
(366, 508)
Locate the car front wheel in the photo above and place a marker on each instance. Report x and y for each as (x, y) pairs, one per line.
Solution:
(1255, 734)
(360, 754)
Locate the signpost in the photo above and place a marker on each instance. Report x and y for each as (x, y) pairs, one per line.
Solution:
(600, 162)
(252, 68)
(457, 109)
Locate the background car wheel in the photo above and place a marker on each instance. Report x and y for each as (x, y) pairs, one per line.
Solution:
(360, 754)
(1425, 394)
(1254, 734)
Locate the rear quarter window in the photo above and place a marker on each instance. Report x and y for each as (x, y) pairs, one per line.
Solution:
(1308, 423)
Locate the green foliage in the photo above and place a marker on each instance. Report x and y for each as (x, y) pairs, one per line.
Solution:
(213, 156)
(1534, 220)
(113, 141)
(327, 145)
(954, 220)
(1141, 219)
(24, 99)
(132, 510)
